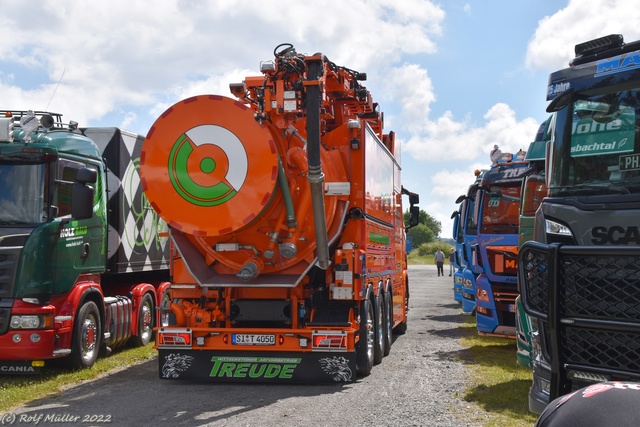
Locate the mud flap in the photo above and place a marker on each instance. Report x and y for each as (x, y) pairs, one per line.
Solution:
(251, 367)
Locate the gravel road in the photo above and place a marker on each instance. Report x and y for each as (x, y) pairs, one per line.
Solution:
(420, 383)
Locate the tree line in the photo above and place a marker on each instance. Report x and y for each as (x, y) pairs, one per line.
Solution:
(427, 230)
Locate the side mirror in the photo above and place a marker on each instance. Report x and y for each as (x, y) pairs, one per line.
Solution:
(82, 194)
(86, 175)
(414, 216)
(414, 198)
(561, 101)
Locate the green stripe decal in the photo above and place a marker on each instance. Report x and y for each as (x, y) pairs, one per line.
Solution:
(379, 238)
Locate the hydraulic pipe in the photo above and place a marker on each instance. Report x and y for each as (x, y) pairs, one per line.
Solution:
(286, 196)
(315, 175)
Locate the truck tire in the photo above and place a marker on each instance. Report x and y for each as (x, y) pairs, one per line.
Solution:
(378, 351)
(364, 346)
(146, 315)
(87, 336)
(388, 322)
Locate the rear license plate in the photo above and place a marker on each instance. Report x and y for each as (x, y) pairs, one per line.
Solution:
(253, 339)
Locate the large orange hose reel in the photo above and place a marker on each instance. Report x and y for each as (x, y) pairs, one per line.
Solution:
(198, 172)
(220, 177)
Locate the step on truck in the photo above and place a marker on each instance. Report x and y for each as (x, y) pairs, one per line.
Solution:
(580, 277)
(284, 207)
(82, 256)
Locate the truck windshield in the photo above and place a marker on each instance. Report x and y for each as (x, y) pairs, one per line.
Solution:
(22, 194)
(601, 155)
(501, 210)
(469, 217)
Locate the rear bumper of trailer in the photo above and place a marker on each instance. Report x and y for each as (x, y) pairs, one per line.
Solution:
(257, 367)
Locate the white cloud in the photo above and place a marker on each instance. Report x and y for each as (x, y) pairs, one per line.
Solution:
(127, 54)
(552, 46)
(448, 139)
(440, 143)
(132, 60)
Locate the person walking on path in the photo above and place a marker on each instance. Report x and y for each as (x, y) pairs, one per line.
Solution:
(452, 257)
(439, 259)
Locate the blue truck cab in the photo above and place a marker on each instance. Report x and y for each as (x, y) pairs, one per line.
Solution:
(465, 232)
(497, 215)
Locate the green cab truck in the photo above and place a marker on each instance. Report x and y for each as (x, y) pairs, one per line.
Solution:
(83, 259)
(534, 189)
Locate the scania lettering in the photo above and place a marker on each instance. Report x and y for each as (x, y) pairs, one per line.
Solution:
(83, 258)
(615, 235)
(579, 275)
(284, 207)
(18, 369)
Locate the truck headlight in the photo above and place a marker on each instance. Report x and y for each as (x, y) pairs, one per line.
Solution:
(31, 321)
(482, 295)
(553, 227)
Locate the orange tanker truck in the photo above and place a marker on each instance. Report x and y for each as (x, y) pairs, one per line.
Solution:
(285, 217)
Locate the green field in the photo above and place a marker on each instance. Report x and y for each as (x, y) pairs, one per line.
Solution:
(500, 385)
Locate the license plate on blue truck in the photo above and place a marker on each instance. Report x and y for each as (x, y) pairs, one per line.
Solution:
(253, 339)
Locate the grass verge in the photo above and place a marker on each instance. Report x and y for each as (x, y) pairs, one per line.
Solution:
(16, 390)
(500, 385)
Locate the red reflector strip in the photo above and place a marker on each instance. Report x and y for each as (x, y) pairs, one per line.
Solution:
(331, 341)
(174, 339)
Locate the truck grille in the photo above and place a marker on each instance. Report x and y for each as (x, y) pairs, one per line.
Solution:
(504, 297)
(10, 250)
(5, 315)
(604, 285)
(533, 271)
(611, 350)
(601, 286)
(589, 301)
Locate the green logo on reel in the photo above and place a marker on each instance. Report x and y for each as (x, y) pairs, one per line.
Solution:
(208, 164)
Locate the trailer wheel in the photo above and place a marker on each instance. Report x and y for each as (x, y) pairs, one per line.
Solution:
(87, 336)
(364, 347)
(146, 314)
(379, 324)
(388, 322)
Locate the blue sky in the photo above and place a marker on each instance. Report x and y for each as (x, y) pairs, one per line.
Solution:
(453, 77)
